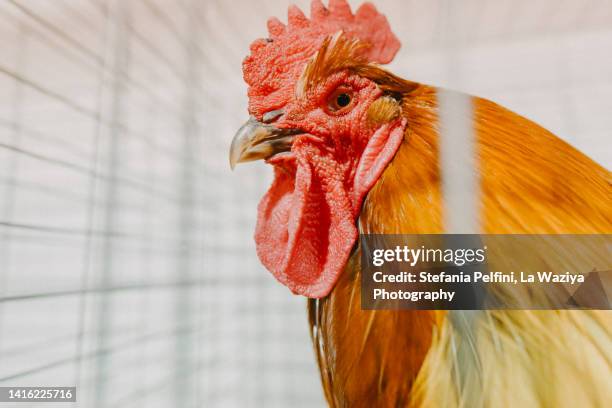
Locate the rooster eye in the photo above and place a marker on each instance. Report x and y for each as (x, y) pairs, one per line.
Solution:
(339, 100)
(343, 99)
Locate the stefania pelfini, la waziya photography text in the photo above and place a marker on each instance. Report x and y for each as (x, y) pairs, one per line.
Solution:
(485, 271)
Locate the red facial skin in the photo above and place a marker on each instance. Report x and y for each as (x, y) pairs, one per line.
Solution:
(306, 225)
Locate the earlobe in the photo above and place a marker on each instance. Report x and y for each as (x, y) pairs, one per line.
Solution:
(378, 153)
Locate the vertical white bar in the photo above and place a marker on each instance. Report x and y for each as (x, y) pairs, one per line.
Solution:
(460, 201)
(458, 166)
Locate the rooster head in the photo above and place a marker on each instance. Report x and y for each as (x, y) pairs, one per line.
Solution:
(328, 119)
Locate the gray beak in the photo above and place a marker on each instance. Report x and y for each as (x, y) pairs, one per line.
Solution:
(255, 140)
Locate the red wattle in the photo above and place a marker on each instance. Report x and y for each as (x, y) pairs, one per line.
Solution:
(306, 221)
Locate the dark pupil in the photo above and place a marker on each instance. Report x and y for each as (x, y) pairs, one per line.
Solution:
(343, 100)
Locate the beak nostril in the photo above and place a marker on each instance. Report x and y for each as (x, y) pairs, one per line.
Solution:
(271, 116)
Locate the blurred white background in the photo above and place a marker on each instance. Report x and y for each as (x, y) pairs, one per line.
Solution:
(127, 264)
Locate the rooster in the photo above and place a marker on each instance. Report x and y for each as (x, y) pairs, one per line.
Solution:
(355, 149)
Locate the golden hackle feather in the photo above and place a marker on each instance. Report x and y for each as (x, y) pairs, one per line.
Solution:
(531, 183)
(340, 52)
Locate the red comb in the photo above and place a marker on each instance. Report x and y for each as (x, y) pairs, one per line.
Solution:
(276, 62)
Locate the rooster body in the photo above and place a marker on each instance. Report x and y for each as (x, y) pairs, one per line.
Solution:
(395, 358)
(356, 149)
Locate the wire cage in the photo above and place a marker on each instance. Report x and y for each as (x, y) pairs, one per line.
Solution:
(127, 264)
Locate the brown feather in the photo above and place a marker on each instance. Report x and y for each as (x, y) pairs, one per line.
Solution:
(531, 182)
(339, 53)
